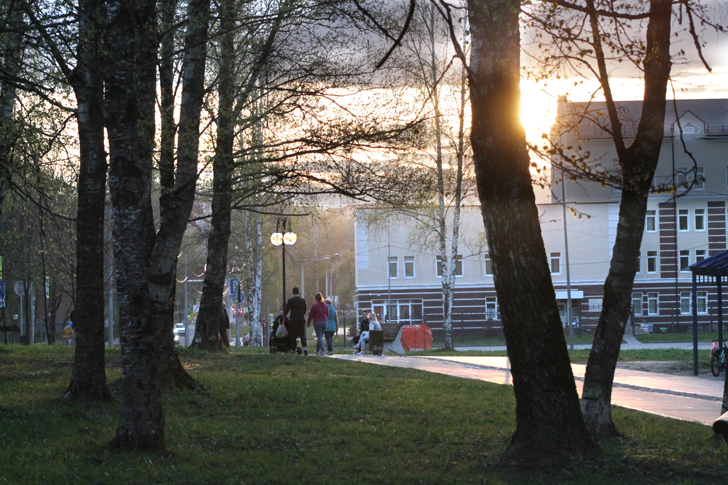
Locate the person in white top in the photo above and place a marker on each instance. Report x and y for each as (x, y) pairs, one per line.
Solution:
(364, 337)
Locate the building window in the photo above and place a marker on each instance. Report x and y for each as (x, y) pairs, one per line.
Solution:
(702, 297)
(409, 266)
(652, 261)
(393, 267)
(488, 266)
(651, 221)
(699, 178)
(681, 175)
(639, 262)
(699, 255)
(491, 308)
(686, 307)
(406, 311)
(637, 304)
(458, 266)
(555, 263)
(685, 303)
(683, 220)
(595, 304)
(699, 219)
(652, 304)
(684, 260)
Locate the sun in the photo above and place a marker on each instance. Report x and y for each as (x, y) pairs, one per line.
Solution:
(538, 110)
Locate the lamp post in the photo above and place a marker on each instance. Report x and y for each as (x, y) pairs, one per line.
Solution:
(283, 238)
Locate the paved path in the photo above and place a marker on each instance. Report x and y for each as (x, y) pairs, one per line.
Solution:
(690, 398)
(629, 343)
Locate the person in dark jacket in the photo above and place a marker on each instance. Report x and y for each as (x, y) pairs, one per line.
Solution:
(296, 306)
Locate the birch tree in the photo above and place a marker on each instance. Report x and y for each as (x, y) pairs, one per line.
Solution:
(587, 38)
(146, 258)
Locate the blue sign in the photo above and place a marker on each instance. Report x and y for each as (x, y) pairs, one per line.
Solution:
(2, 289)
(235, 290)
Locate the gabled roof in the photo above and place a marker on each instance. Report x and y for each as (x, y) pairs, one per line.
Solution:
(588, 120)
(713, 266)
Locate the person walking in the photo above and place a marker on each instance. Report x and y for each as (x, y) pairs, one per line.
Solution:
(296, 305)
(332, 326)
(319, 315)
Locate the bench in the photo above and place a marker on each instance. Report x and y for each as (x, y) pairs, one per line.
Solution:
(389, 338)
(720, 426)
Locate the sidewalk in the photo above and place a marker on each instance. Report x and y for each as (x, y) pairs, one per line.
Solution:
(629, 343)
(689, 398)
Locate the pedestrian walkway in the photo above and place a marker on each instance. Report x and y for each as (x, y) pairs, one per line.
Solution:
(689, 398)
(629, 343)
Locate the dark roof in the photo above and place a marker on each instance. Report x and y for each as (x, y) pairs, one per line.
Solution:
(589, 118)
(713, 266)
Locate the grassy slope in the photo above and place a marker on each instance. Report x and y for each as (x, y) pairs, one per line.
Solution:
(289, 419)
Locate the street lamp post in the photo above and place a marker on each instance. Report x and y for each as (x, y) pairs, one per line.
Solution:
(283, 238)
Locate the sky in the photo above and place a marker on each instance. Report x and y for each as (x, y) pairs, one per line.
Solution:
(691, 80)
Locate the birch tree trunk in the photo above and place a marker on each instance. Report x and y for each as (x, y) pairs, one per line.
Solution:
(549, 423)
(88, 379)
(208, 319)
(256, 293)
(638, 163)
(146, 262)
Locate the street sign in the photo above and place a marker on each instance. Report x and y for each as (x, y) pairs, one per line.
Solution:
(2, 293)
(235, 289)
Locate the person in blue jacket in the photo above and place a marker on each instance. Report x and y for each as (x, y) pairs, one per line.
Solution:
(332, 326)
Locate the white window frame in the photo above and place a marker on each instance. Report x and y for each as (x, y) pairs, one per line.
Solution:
(654, 257)
(681, 177)
(637, 297)
(700, 254)
(458, 266)
(390, 260)
(699, 178)
(684, 260)
(409, 261)
(651, 216)
(486, 263)
(686, 303)
(555, 256)
(653, 297)
(699, 214)
(492, 312)
(639, 262)
(683, 215)
(702, 300)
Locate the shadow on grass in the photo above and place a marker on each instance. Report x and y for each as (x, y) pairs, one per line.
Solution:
(279, 419)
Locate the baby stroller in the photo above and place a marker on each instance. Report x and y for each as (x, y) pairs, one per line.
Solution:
(279, 341)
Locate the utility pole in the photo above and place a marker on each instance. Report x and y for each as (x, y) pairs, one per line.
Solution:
(566, 257)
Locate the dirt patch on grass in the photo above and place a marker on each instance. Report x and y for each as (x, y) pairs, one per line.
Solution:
(673, 367)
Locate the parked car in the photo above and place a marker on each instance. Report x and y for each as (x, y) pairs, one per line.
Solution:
(179, 332)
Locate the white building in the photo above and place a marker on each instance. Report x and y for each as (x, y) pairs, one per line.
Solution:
(682, 228)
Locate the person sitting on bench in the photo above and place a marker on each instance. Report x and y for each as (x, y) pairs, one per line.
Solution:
(364, 337)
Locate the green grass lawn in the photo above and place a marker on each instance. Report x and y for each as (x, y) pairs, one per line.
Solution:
(649, 338)
(472, 340)
(285, 419)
